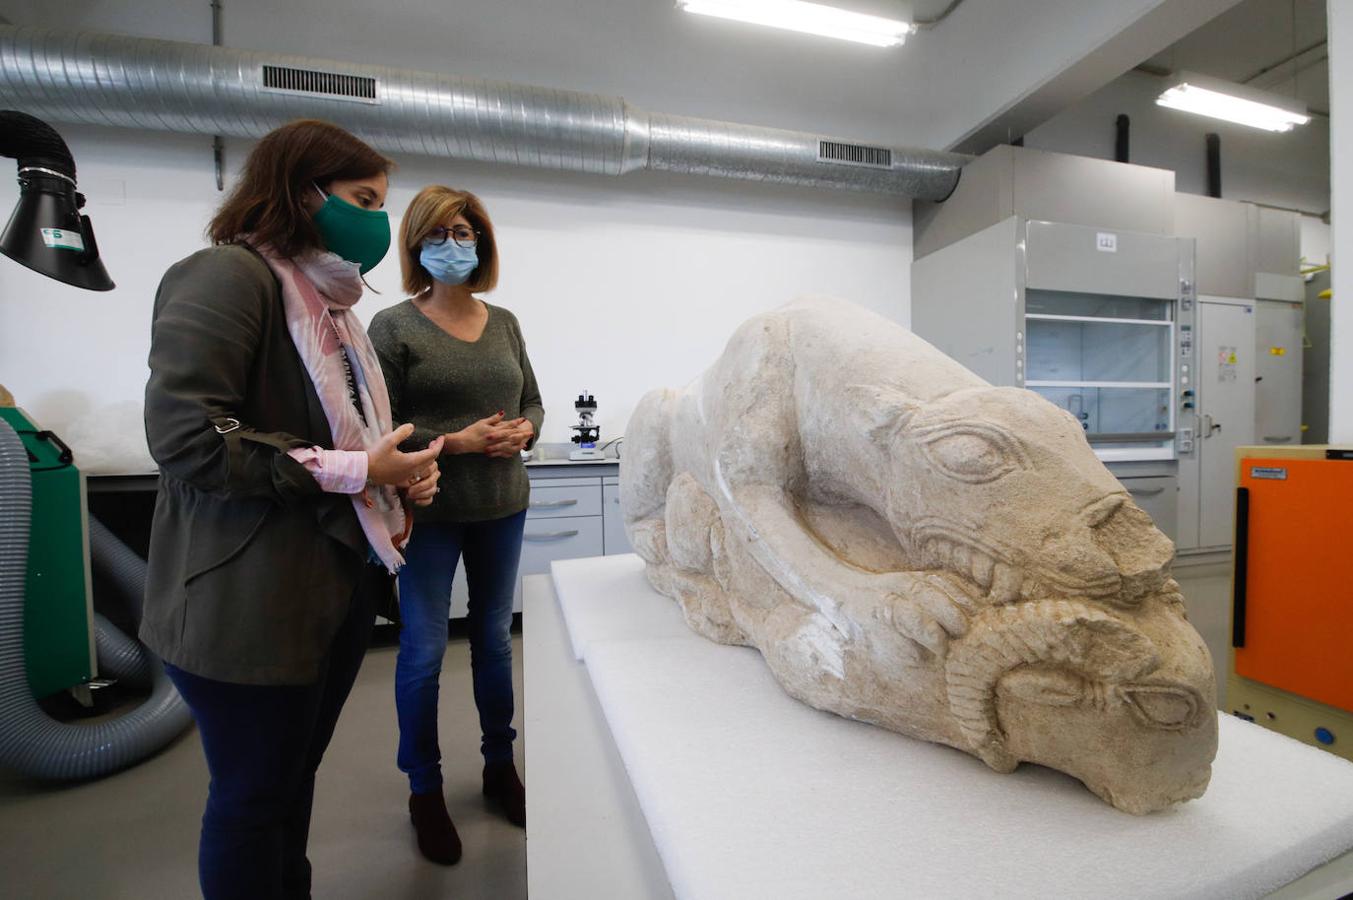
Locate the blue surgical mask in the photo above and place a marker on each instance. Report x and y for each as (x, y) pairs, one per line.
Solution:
(448, 262)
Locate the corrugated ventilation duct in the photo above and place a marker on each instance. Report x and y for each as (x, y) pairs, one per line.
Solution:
(130, 82)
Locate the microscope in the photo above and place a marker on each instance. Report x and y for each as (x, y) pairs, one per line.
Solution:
(588, 433)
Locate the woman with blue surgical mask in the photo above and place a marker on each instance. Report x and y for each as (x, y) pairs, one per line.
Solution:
(457, 368)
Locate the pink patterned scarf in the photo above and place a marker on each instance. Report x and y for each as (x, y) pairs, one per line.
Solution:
(319, 290)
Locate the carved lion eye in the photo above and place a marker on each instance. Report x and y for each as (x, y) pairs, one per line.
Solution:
(1163, 707)
(971, 454)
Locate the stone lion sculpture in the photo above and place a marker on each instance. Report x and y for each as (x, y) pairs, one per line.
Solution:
(910, 546)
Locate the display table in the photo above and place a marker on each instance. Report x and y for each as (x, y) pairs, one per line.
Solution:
(747, 793)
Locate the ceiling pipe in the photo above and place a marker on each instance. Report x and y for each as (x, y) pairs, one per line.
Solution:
(133, 82)
(217, 142)
(1213, 164)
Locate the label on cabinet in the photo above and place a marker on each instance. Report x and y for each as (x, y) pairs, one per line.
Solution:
(1272, 473)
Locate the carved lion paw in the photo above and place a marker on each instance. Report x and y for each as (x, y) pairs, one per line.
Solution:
(929, 609)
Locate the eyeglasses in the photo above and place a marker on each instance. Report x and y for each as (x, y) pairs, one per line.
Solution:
(464, 237)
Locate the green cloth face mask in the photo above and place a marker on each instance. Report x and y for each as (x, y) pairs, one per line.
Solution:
(358, 235)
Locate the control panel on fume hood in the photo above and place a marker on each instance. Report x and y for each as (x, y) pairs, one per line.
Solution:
(1188, 392)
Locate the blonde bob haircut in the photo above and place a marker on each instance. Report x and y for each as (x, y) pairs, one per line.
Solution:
(437, 205)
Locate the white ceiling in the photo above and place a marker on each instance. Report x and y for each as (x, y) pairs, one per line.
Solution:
(981, 62)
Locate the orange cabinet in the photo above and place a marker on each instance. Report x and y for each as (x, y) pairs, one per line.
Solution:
(1292, 625)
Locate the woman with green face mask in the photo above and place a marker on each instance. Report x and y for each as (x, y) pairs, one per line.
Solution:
(284, 502)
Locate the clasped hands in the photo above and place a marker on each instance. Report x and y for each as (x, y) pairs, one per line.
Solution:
(493, 436)
(416, 474)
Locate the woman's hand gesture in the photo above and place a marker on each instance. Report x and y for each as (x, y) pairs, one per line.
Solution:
(386, 464)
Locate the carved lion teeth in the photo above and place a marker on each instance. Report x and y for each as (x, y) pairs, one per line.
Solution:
(1005, 584)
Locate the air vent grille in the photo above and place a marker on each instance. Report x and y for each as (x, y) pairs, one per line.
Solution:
(313, 81)
(855, 155)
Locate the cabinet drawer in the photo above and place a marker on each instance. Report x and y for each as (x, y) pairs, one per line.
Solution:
(577, 497)
(563, 537)
(1159, 498)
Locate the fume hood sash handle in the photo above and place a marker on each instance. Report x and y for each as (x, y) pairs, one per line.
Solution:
(1239, 583)
(1135, 437)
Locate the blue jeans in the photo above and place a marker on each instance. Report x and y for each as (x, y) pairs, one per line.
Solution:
(263, 744)
(491, 551)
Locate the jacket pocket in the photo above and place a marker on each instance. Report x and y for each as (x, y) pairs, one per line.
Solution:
(267, 612)
(217, 536)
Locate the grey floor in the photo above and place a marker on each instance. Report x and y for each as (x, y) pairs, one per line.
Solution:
(135, 834)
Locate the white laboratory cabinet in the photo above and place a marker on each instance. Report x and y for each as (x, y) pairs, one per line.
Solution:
(1280, 327)
(1094, 310)
(1225, 421)
(1250, 336)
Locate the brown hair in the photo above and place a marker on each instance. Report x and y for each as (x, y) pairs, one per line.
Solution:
(436, 205)
(268, 202)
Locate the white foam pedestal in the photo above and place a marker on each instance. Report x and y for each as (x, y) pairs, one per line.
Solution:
(748, 793)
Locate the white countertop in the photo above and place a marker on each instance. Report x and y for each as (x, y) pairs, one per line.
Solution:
(608, 461)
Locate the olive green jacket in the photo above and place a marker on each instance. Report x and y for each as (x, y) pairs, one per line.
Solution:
(252, 566)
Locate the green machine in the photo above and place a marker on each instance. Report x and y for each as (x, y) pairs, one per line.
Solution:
(47, 619)
(58, 600)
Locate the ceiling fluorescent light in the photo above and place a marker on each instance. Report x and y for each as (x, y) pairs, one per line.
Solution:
(1233, 102)
(808, 18)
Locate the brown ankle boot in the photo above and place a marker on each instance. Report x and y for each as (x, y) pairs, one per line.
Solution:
(437, 838)
(503, 788)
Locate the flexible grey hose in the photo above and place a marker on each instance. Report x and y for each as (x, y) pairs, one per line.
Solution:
(119, 564)
(120, 656)
(30, 741)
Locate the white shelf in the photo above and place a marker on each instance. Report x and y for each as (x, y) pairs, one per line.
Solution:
(1146, 452)
(1130, 385)
(1048, 317)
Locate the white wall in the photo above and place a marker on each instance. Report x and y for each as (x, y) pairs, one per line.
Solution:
(1341, 152)
(1289, 170)
(621, 285)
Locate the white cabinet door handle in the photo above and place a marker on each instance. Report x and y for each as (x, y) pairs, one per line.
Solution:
(1144, 492)
(1277, 440)
(554, 504)
(551, 536)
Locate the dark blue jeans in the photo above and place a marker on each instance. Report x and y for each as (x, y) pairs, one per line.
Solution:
(263, 744)
(491, 551)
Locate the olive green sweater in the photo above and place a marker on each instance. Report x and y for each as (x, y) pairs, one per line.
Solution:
(442, 384)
